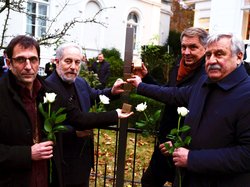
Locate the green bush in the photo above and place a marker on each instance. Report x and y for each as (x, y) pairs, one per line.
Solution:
(92, 60)
(113, 52)
(158, 61)
(116, 69)
(174, 43)
(134, 100)
(113, 56)
(91, 78)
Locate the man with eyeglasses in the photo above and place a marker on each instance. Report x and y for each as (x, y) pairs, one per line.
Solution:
(78, 146)
(24, 151)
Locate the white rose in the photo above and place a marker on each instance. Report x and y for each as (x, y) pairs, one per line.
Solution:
(182, 111)
(119, 80)
(49, 97)
(104, 99)
(141, 107)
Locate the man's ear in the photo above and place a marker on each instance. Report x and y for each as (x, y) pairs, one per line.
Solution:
(240, 56)
(57, 61)
(8, 62)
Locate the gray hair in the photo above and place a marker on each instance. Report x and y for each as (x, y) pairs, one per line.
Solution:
(195, 31)
(60, 49)
(237, 45)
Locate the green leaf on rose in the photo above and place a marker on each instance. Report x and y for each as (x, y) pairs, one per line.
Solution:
(51, 136)
(156, 115)
(40, 107)
(59, 128)
(60, 118)
(60, 110)
(174, 131)
(47, 125)
(184, 128)
(140, 124)
(187, 140)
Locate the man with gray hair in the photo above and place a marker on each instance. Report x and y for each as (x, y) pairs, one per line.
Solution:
(78, 148)
(186, 72)
(25, 155)
(219, 116)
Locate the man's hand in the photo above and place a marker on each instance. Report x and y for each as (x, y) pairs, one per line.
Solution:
(40, 151)
(163, 149)
(135, 80)
(141, 72)
(180, 156)
(123, 114)
(117, 87)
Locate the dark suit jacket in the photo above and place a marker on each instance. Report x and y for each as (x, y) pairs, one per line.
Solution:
(16, 134)
(1, 65)
(219, 119)
(160, 164)
(49, 68)
(78, 152)
(103, 71)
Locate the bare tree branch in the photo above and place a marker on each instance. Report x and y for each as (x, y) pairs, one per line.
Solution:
(7, 4)
(50, 37)
(5, 26)
(54, 19)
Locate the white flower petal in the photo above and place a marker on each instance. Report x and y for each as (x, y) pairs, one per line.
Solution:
(141, 107)
(104, 99)
(44, 100)
(182, 111)
(50, 97)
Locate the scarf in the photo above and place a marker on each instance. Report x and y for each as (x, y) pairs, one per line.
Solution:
(184, 70)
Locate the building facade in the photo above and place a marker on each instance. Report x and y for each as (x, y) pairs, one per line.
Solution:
(223, 15)
(99, 23)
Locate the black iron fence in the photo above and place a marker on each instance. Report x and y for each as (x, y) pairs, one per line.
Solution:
(138, 153)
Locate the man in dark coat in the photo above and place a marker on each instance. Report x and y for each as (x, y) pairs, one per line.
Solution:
(3, 65)
(102, 68)
(219, 116)
(50, 67)
(24, 152)
(186, 72)
(78, 148)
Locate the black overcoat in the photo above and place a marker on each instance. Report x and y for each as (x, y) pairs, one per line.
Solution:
(16, 134)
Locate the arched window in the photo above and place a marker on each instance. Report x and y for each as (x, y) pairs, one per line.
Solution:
(132, 21)
(92, 41)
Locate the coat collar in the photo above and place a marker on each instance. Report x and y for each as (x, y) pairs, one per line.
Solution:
(200, 69)
(230, 81)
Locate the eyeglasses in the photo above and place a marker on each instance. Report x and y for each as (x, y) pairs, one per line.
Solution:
(22, 60)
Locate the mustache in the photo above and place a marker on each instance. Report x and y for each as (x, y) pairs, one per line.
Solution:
(214, 67)
(73, 72)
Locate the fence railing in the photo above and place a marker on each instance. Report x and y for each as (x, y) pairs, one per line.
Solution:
(138, 153)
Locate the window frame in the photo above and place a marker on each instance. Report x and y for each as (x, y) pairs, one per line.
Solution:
(36, 20)
(134, 23)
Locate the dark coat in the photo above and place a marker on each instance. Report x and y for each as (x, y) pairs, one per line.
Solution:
(78, 152)
(2, 63)
(161, 165)
(16, 134)
(103, 71)
(219, 118)
(49, 68)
